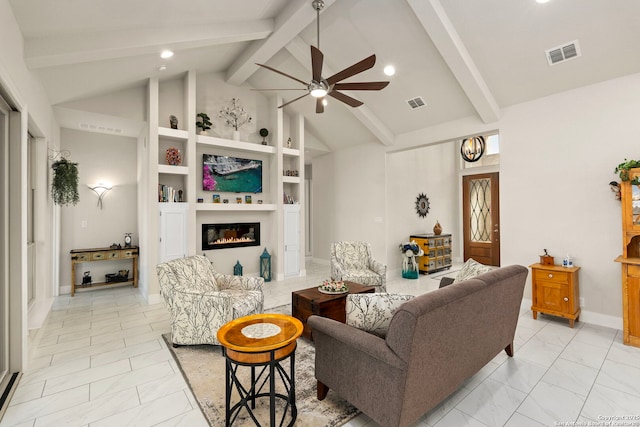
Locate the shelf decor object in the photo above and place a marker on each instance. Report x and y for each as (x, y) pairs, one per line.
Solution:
(203, 123)
(265, 265)
(173, 156)
(264, 133)
(237, 269)
(235, 116)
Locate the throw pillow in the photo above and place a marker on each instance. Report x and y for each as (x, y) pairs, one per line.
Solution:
(470, 269)
(373, 312)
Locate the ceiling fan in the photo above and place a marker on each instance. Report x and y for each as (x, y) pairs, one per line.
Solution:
(320, 87)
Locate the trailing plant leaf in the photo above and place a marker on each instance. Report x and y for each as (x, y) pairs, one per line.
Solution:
(623, 170)
(64, 188)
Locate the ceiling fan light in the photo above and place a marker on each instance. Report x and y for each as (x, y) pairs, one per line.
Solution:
(318, 92)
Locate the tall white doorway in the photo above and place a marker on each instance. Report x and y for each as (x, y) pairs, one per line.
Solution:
(5, 374)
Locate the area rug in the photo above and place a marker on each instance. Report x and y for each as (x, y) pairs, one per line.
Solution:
(203, 367)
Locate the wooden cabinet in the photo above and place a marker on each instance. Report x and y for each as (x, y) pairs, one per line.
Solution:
(555, 291)
(104, 254)
(630, 259)
(437, 252)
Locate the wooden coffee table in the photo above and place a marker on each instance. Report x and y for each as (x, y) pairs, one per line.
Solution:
(310, 301)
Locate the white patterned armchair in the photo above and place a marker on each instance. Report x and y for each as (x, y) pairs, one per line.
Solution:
(353, 261)
(200, 300)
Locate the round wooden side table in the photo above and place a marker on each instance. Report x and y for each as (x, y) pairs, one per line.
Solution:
(260, 341)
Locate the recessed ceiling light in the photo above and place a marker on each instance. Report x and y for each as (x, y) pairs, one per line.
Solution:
(325, 102)
(162, 68)
(389, 70)
(542, 1)
(166, 54)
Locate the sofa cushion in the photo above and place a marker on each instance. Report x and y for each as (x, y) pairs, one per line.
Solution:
(373, 312)
(470, 269)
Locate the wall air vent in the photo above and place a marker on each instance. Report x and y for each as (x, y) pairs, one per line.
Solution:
(416, 103)
(99, 129)
(563, 53)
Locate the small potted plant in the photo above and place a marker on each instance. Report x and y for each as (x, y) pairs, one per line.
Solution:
(64, 188)
(203, 123)
(264, 133)
(623, 170)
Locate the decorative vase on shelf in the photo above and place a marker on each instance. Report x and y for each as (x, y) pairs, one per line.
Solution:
(437, 229)
(173, 156)
(236, 135)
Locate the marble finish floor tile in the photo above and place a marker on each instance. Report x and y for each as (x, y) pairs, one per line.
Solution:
(99, 360)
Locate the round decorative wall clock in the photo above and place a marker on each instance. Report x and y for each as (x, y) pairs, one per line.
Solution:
(422, 205)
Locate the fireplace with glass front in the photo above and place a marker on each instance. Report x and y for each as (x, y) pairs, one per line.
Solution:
(230, 235)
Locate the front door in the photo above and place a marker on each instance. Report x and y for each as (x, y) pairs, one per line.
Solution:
(481, 218)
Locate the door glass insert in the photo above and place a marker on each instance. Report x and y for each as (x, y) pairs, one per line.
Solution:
(480, 209)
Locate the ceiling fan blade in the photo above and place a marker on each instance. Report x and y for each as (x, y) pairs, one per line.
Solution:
(264, 90)
(316, 63)
(280, 72)
(356, 68)
(293, 100)
(361, 86)
(319, 105)
(345, 98)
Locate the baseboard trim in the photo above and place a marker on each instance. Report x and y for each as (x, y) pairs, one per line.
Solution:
(587, 316)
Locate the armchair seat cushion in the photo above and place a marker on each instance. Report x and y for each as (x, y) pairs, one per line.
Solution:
(245, 303)
(363, 277)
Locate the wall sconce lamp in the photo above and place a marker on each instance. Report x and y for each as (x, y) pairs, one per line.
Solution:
(101, 189)
(472, 149)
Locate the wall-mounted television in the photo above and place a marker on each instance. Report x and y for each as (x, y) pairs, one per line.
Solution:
(232, 174)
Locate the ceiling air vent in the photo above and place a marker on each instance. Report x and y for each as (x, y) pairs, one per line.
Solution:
(563, 53)
(416, 103)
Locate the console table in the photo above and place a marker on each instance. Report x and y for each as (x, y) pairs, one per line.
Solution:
(104, 254)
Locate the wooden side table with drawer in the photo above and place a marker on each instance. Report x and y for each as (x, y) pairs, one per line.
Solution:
(555, 291)
(104, 254)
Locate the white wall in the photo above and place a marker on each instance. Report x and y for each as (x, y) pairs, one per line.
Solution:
(323, 202)
(557, 158)
(100, 158)
(431, 170)
(558, 155)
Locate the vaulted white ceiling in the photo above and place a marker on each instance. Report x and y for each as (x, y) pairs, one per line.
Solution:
(464, 58)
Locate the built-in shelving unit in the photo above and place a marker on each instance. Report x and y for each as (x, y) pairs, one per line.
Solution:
(179, 97)
(234, 145)
(235, 207)
(173, 134)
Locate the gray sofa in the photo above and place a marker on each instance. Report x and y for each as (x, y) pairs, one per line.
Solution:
(434, 343)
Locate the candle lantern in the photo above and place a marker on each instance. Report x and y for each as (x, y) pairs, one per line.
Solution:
(265, 266)
(237, 269)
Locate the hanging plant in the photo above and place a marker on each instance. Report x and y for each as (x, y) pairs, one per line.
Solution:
(64, 188)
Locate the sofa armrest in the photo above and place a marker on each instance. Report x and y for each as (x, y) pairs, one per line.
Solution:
(229, 281)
